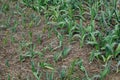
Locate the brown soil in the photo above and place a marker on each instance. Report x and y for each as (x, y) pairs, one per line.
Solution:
(17, 70)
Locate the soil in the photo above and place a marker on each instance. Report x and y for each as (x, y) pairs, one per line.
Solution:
(10, 64)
